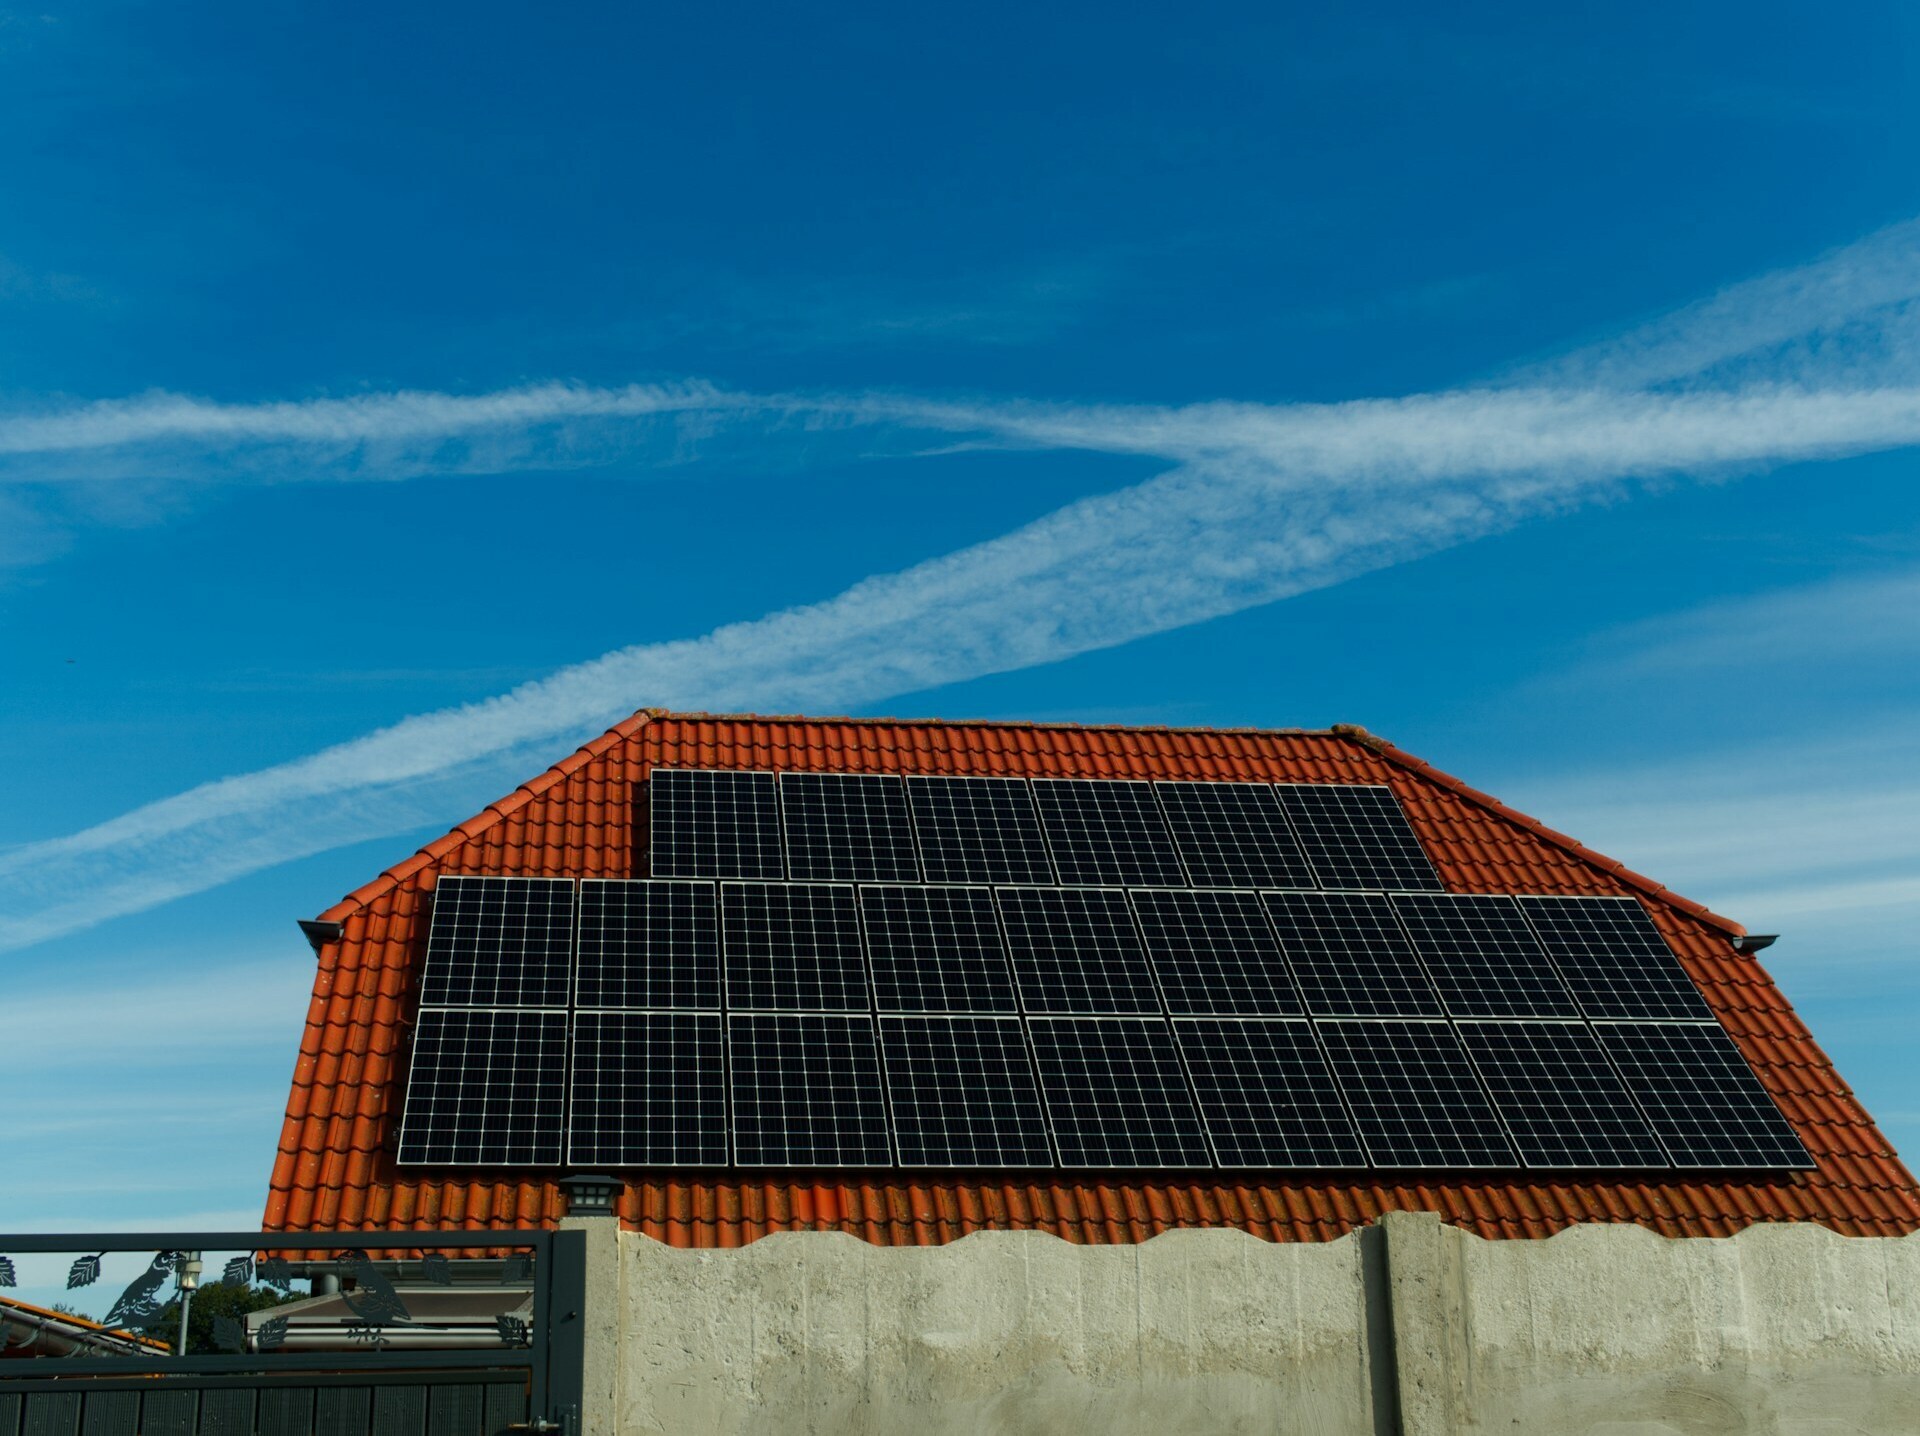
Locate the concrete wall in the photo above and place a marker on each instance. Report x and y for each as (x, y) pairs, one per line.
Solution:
(1407, 1327)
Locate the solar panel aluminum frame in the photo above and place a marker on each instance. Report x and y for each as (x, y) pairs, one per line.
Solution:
(440, 977)
(594, 995)
(1674, 997)
(880, 1005)
(885, 1023)
(1289, 981)
(1357, 1152)
(853, 1020)
(654, 814)
(722, 1077)
(1165, 788)
(858, 949)
(1308, 842)
(1183, 1087)
(1659, 1167)
(413, 1113)
(1512, 1158)
(1027, 1008)
(789, 801)
(933, 848)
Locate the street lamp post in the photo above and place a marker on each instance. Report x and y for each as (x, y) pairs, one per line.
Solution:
(186, 1275)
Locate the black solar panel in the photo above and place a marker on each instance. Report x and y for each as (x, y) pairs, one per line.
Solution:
(714, 824)
(1356, 836)
(806, 1091)
(486, 1088)
(1075, 950)
(648, 944)
(1350, 957)
(1614, 958)
(1562, 1103)
(649, 1089)
(936, 949)
(1234, 835)
(978, 830)
(1703, 1100)
(1266, 1096)
(1115, 1093)
(847, 827)
(1482, 956)
(1214, 953)
(962, 1093)
(499, 942)
(792, 947)
(1413, 1095)
(1107, 831)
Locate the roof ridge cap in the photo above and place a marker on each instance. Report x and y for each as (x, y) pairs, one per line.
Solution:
(698, 716)
(496, 811)
(1613, 867)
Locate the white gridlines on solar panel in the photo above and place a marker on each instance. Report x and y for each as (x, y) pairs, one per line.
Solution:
(648, 1089)
(1267, 1098)
(806, 1090)
(1115, 1093)
(1482, 956)
(1414, 1095)
(499, 942)
(1614, 959)
(1076, 950)
(1107, 831)
(1233, 835)
(792, 947)
(486, 1088)
(648, 943)
(1703, 1100)
(978, 830)
(936, 949)
(847, 827)
(1562, 1102)
(961, 1091)
(713, 824)
(1350, 957)
(1214, 953)
(1355, 835)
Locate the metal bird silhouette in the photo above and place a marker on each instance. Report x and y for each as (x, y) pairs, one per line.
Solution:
(137, 1306)
(373, 1298)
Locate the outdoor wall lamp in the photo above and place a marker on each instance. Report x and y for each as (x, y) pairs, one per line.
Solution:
(590, 1196)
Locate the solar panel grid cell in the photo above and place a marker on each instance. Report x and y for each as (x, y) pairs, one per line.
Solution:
(649, 1088)
(485, 1088)
(1614, 959)
(936, 949)
(1107, 831)
(1266, 1095)
(1562, 1103)
(978, 830)
(1234, 835)
(847, 827)
(1700, 1095)
(1214, 953)
(962, 1093)
(1357, 836)
(714, 824)
(1115, 1093)
(1075, 950)
(1414, 1095)
(648, 943)
(792, 947)
(1482, 956)
(499, 942)
(806, 1090)
(1350, 957)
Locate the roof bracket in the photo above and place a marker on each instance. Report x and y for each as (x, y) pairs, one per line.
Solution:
(319, 934)
(1751, 942)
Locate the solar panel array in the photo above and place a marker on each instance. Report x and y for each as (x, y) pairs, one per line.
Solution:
(862, 970)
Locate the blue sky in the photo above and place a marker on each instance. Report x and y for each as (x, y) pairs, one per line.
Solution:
(387, 406)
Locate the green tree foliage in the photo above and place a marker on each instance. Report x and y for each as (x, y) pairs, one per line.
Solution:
(210, 1302)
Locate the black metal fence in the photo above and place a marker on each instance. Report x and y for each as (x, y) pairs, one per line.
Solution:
(399, 1373)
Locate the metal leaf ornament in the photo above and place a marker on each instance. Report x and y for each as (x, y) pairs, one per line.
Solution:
(138, 1305)
(85, 1271)
(513, 1331)
(519, 1268)
(273, 1334)
(230, 1334)
(437, 1268)
(8, 1276)
(274, 1271)
(373, 1299)
(238, 1271)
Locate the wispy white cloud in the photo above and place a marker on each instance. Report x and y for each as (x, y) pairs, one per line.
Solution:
(1264, 502)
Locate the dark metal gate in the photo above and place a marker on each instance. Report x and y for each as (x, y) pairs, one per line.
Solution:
(530, 1380)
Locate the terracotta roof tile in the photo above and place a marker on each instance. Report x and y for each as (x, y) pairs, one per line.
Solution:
(334, 1165)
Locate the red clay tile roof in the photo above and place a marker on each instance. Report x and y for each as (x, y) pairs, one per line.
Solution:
(335, 1167)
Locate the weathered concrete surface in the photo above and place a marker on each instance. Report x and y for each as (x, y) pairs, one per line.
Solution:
(1015, 1332)
(1411, 1326)
(1614, 1331)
